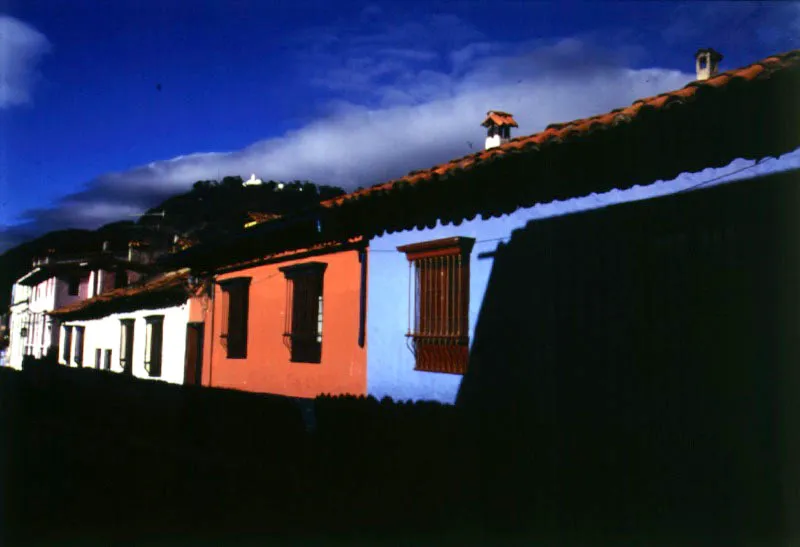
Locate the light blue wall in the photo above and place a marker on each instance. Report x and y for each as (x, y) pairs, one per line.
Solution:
(390, 364)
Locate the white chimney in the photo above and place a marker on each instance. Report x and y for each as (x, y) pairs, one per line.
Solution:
(498, 125)
(707, 63)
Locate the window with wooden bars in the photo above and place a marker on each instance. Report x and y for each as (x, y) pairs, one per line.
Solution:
(303, 328)
(438, 325)
(67, 349)
(126, 345)
(79, 345)
(153, 343)
(235, 308)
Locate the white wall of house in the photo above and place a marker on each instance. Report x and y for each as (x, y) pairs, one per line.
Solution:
(105, 334)
(28, 314)
(18, 318)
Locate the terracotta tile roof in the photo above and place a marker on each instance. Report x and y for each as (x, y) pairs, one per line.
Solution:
(559, 133)
(258, 218)
(163, 290)
(495, 117)
(261, 217)
(294, 253)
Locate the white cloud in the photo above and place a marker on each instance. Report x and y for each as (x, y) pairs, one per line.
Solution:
(21, 48)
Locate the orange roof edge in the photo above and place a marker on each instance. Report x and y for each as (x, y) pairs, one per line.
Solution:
(558, 131)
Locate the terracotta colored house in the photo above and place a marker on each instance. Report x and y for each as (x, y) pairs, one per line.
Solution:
(289, 323)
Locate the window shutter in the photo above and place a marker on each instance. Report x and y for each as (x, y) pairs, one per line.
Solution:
(67, 350)
(79, 343)
(236, 309)
(305, 334)
(126, 345)
(154, 343)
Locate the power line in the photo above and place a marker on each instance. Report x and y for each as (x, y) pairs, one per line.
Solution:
(759, 162)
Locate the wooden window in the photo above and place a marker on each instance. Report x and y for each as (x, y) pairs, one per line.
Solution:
(153, 343)
(126, 345)
(107, 360)
(438, 330)
(235, 304)
(66, 351)
(73, 286)
(303, 328)
(79, 345)
(98, 358)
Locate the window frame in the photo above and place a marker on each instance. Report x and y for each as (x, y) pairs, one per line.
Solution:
(107, 354)
(438, 329)
(80, 344)
(98, 358)
(236, 318)
(126, 340)
(304, 347)
(153, 345)
(66, 351)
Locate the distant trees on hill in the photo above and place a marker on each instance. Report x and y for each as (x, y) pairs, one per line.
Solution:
(210, 209)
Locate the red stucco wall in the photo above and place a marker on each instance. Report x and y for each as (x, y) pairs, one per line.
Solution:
(267, 368)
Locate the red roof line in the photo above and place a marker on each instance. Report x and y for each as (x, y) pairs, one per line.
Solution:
(164, 282)
(557, 131)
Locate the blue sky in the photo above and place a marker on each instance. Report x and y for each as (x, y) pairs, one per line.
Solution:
(343, 93)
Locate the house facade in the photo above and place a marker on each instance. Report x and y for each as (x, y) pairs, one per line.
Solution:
(142, 331)
(55, 282)
(432, 232)
(292, 324)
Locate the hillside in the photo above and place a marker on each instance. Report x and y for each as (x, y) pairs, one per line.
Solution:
(210, 209)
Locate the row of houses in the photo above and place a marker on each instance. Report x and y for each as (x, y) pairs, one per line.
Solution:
(378, 292)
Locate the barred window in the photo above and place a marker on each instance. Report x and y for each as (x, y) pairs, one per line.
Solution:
(153, 343)
(126, 345)
(438, 326)
(98, 358)
(235, 305)
(303, 329)
(107, 360)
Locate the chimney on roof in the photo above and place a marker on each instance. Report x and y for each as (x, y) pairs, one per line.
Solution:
(707, 63)
(498, 125)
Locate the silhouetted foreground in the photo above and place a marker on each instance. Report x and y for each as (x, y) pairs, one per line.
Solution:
(96, 456)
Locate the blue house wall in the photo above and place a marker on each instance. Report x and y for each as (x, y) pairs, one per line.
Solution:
(390, 364)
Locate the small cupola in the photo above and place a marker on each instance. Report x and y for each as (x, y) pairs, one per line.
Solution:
(498, 126)
(707, 63)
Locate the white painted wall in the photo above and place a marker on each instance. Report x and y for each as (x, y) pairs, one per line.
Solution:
(105, 333)
(17, 319)
(494, 141)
